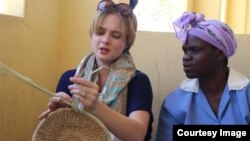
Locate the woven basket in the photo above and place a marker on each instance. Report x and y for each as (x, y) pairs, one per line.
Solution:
(66, 125)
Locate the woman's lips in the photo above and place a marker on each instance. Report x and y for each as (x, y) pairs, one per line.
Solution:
(187, 67)
(104, 50)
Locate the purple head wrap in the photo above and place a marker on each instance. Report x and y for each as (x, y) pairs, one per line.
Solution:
(214, 32)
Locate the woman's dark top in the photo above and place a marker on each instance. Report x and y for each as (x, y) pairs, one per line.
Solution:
(140, 95)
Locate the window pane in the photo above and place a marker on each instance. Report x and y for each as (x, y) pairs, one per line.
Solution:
(12, 7)
(158, 15)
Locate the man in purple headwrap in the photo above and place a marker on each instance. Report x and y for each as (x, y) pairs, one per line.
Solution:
(213, 93)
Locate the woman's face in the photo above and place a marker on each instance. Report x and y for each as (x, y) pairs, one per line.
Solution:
(108, 41)
(200, 58)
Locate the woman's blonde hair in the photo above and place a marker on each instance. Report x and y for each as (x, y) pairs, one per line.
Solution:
(129, 22)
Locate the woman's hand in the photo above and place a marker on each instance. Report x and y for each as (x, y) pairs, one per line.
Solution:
(56, 102)
(86, 92)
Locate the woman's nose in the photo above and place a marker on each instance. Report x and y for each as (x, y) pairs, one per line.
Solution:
(106, 38)
(187, 56)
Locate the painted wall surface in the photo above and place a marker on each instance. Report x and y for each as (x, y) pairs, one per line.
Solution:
(74, 39)
(239, 18)
(53, 37)
(236, 12)
(211, 8)
(30, 46)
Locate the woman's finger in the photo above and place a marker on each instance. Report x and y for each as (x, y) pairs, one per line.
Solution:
(44, 114)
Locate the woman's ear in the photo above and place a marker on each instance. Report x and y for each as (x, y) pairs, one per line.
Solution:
(221, 55)
(133, 3)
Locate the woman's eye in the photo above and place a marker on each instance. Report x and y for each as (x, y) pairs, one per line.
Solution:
(117, 35)
(100, 32)
(185, 50)
(196, 50)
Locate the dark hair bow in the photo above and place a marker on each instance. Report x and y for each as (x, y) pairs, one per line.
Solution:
(133, 3)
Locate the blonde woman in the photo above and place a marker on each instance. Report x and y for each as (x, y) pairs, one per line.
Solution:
(119, 94)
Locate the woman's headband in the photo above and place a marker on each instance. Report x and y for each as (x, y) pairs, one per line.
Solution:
(214, 32)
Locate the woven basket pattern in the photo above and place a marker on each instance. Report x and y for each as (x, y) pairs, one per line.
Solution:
(66, 125)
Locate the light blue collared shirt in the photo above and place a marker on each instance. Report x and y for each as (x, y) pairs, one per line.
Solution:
(188, 105)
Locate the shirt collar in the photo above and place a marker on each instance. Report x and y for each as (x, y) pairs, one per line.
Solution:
(236, 81)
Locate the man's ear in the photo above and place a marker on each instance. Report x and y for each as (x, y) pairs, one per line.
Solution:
(133, 3)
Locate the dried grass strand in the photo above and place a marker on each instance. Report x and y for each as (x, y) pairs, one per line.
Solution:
(11, 72)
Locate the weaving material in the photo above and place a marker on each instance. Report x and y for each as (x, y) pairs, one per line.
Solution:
(65, 124)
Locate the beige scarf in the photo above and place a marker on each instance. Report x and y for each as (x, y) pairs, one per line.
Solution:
(114, 92)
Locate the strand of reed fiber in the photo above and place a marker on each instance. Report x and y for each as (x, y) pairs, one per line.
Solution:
(11, 72)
